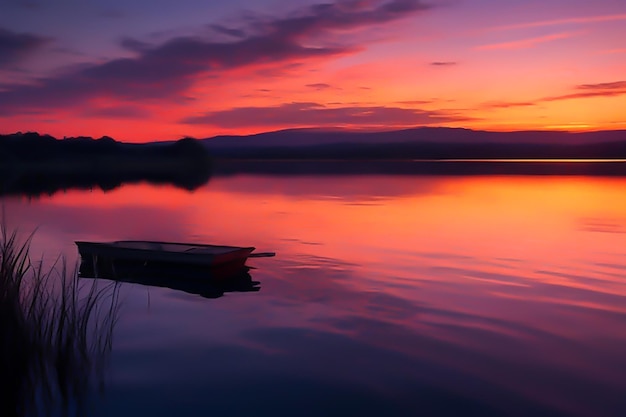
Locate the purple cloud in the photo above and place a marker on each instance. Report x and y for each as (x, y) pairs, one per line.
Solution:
(617, 85)
(319, 86)
(608, 89)
(443, 63)
(314, 114)
(235, 33)
(169, 69)
(15, 46)
(341, 16)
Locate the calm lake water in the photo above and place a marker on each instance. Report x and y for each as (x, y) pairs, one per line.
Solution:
(389, 296)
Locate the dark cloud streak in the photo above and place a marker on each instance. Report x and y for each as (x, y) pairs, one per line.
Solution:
(319, 86)
(15, 46)
(608, 89)
(342, 15)
(169, 69)
(603, 86)
(443, 63)
(507, 104)
(314, 114)
(235, 33)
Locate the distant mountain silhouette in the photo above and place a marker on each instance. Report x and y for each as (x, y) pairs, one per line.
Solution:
(420, 143)
(33, 164)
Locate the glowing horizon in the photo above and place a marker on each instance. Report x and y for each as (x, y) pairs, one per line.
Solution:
(147, 71)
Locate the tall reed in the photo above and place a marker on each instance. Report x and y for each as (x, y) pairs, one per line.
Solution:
(55, 333)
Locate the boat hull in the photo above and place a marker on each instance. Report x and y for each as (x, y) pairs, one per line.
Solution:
(166, 253)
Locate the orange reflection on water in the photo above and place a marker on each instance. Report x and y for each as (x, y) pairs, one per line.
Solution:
(370, 219)
(480, 274)
(506, 217)
(495, 231)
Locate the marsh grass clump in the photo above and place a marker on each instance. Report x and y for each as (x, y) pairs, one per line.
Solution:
(55, 333)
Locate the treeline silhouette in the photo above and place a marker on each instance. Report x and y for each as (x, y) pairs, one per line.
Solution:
(33, 164)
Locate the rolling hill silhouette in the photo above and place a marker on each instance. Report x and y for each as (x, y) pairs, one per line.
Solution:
(421, 144)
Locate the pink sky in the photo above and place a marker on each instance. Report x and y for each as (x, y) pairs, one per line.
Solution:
(165, 69)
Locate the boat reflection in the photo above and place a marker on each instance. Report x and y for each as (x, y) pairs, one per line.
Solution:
(197, 280)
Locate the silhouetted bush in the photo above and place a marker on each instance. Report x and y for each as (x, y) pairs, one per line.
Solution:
(54, 334)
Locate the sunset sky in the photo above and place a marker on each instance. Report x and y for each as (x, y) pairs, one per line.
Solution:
(162, 69)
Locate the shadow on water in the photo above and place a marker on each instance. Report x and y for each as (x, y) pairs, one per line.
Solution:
(34, 183)
(297, 167)
(55, 334)
(32, 169)
(205, 282)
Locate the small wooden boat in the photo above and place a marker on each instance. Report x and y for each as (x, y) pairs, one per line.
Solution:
(167, 252)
